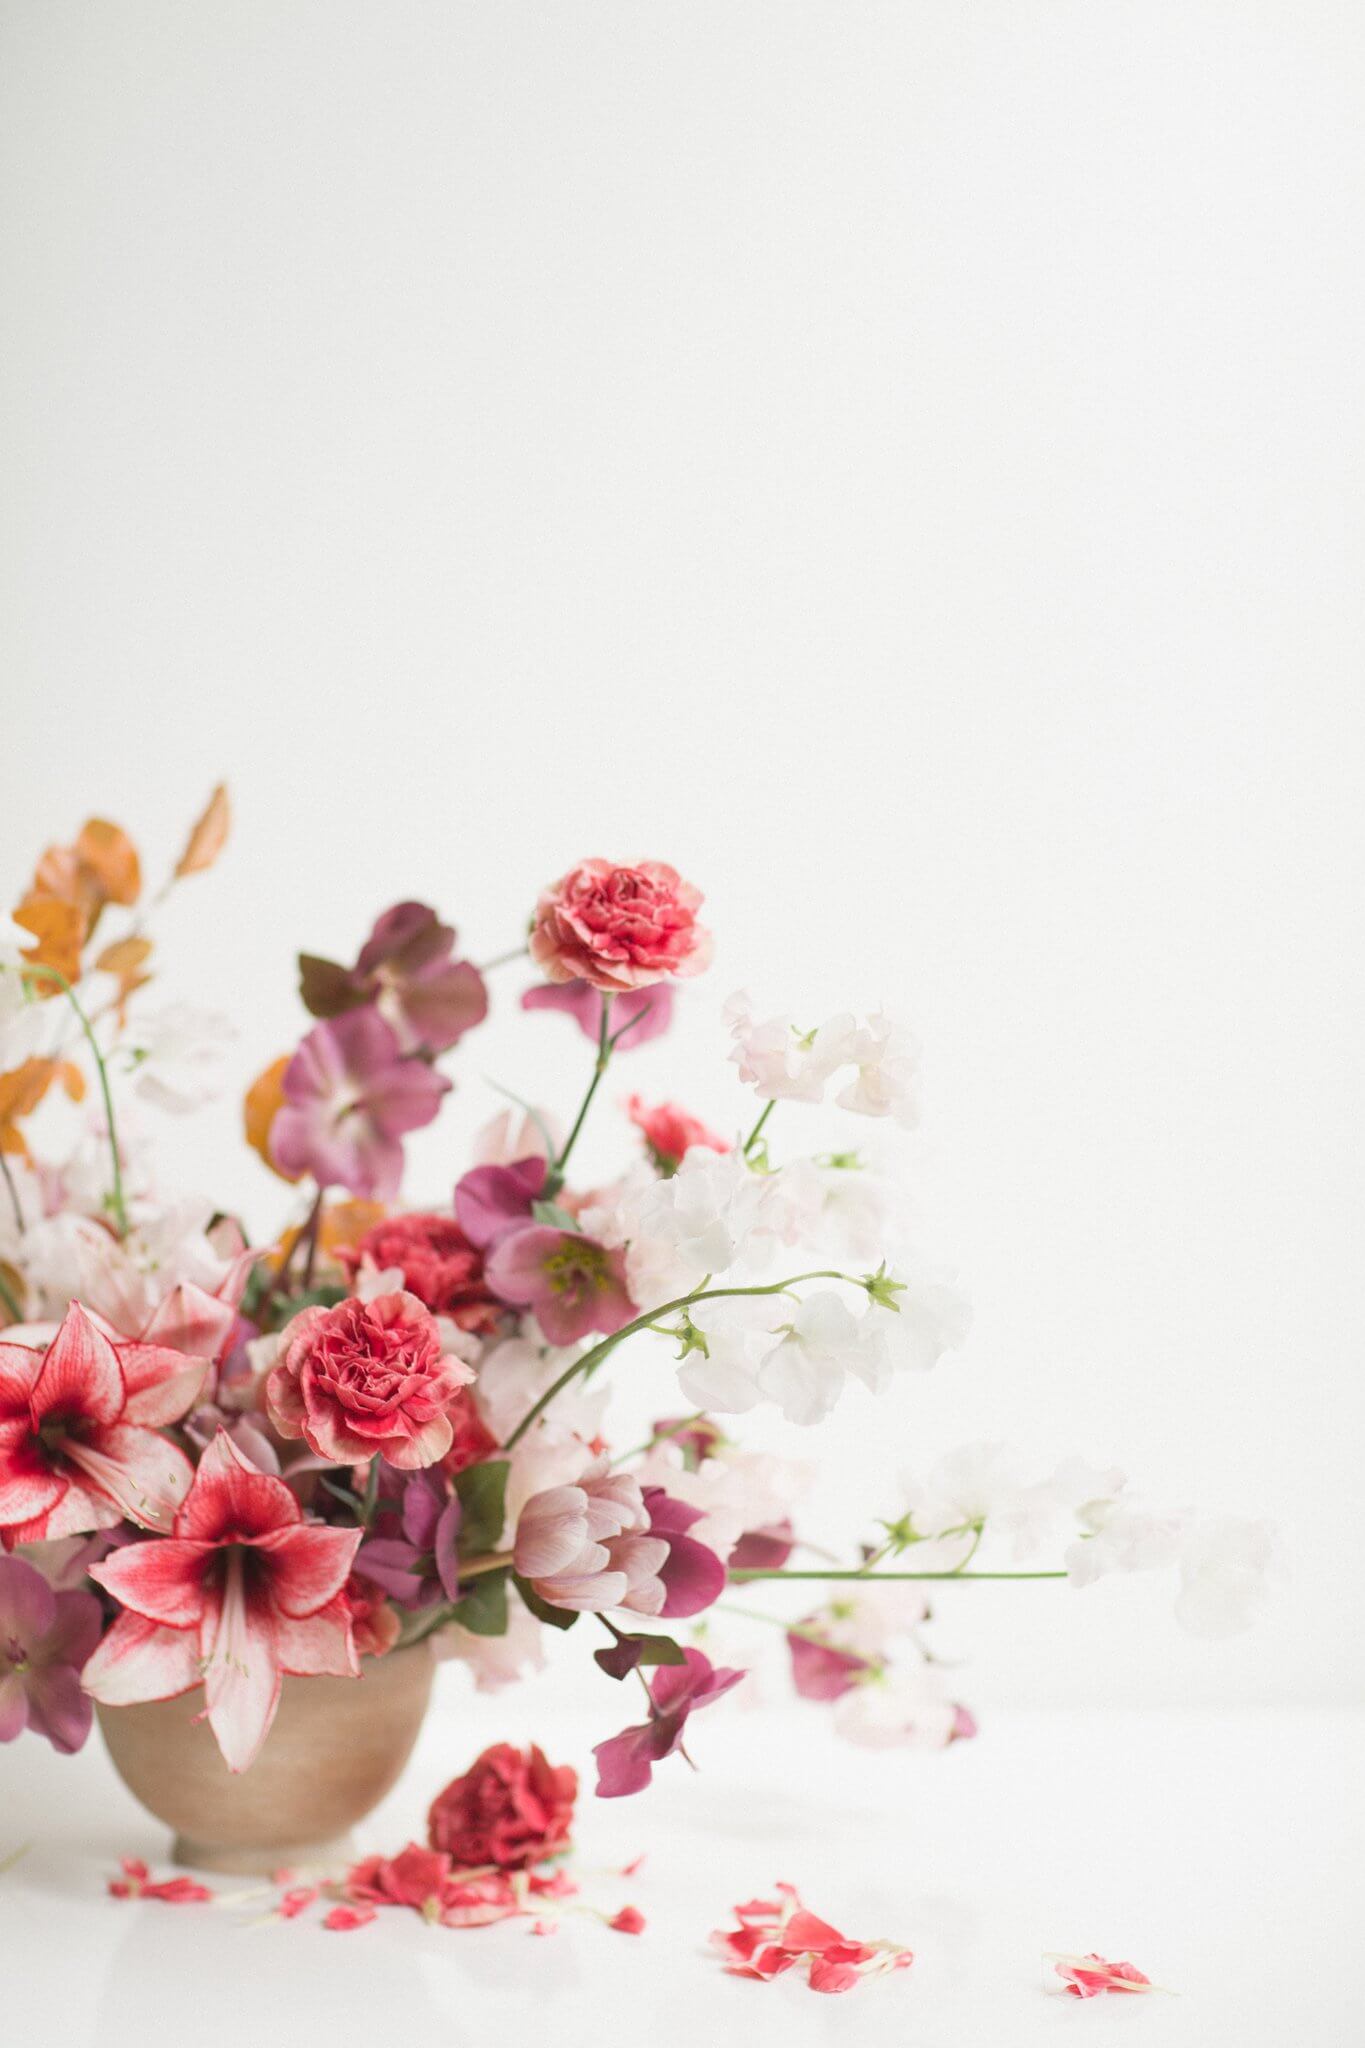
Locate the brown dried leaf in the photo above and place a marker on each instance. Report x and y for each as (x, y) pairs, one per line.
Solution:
(58, 928)
(209, 836)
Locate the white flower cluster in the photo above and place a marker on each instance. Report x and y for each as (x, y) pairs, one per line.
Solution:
(783, 1063)
(1223, 1564)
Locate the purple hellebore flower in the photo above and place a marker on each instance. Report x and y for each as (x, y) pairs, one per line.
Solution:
(820, 1672)
(692, 1574)
(625, 1763)
(350, 1094)
(572, 1284)
(430, 1525)
(406, 968)
(45, 1639)
(490, 1201)
(636, 1017)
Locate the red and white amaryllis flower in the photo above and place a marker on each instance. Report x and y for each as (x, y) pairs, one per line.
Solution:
(80, 1446)
(243, 1593)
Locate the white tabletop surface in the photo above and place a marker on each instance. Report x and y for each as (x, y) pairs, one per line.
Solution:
(1220, 1853)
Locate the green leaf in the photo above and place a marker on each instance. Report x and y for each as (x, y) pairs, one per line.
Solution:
(483, 1609)
(317, 1297)
(554, 1617)
(557, 1219)
(345, 1495)
(659, 1650)
(483, 1493)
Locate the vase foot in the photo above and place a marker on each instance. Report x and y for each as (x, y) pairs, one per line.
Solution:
(304, 1858)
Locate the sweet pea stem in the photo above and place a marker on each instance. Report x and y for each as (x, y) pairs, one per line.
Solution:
(116, 1200)
(604, 1044)
(592, 1359)
(757, 1131)
(742, 1578)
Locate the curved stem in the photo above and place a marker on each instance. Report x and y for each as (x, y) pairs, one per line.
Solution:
(590, 1360)
(7, 1297)
(15, 1203)
(757, 1131)
(116, 1196)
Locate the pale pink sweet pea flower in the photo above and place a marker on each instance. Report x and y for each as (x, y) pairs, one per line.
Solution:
(80, 1442)
(350, 1095)
(242, 1593)
(45, 1638)
(571, 1284)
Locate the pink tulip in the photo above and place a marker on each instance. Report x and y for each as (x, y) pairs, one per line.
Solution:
(241, 1594)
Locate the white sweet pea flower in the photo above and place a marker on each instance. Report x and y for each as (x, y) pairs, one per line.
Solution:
(26, 1027)
(780, 1061)
(177, 1055)
(738, 1335)
(677, 1230)
(1120, 1537)
(1223, 1568)
(930, 1315)
(886, 1059)
(902, 1710)
(823, 1342)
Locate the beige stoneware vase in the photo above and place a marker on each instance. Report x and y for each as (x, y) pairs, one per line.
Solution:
(336, 1746)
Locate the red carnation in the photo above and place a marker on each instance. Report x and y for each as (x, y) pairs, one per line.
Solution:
(509, 1809)
(438, 1263)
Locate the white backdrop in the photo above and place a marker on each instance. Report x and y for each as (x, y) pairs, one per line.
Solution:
(902, 464)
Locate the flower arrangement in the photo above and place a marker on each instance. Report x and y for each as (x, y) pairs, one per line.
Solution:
(224, 1464)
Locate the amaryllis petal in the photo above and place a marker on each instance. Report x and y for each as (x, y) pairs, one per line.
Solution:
(163, 1580)
(142, 1660)
(162, 1383)
(80, 1373)
(28, 1485)
(321, 1646)
(191, 1320)
(308, 1566)
(20, 1365)
(146, 1474)
(241, 1676)
(229, 1493)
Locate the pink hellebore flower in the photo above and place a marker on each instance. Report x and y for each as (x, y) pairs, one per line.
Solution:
(79, 1433)
(407, 970)
(350, 1094)
(636, 1016)
(588, 1547)
(45, 1637)
(571, 1284)
(626, 1762)
(242, 1593)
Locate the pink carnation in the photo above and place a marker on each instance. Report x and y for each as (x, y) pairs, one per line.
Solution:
(367, 1377)
(619, 928)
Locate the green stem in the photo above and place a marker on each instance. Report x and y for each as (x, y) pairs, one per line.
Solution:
(16, 1313)
(757, 1131)
(502, 959)
(13, 1194)
(116, 1198)
(590, 1360)
(599, 1068)
(744, 1577)
(660, 1436)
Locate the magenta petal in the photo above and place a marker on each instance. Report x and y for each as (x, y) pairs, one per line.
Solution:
(625, 1762)
(13, 1707)
(57, 1708)
(491, 1200)
(637, 1016)
(693, 1577)
(28, 1605)
(821, 1673)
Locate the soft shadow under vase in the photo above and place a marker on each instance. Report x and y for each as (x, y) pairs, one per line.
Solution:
(336, 1746)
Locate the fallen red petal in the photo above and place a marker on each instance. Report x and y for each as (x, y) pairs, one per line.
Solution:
(345, 1919)
(630, 1920)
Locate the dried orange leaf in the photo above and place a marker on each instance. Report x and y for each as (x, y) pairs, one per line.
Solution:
(209, 836)
(126, 960)
(58, 928)
(23, 1088)
(110, 855)
(264, 1098)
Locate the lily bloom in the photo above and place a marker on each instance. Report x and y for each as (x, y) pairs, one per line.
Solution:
(349, 1096)
(243, 1593)
(571, 1284)
(79, 1432)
